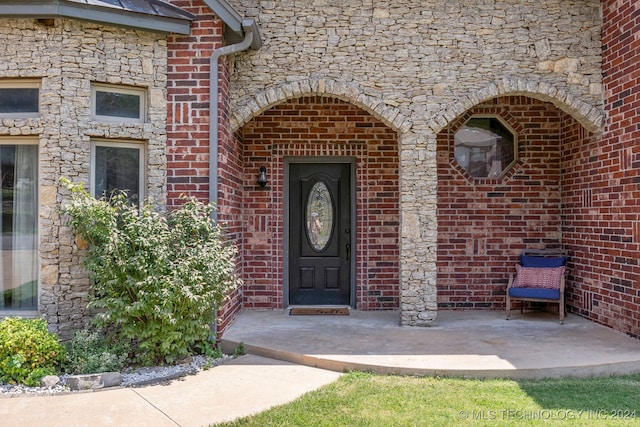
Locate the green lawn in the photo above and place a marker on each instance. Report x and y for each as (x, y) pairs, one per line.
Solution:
(358, 399)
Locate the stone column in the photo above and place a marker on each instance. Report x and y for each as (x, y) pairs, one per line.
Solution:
(418, 181)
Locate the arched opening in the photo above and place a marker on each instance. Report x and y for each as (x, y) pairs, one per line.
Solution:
(317, 130)
(485, 222)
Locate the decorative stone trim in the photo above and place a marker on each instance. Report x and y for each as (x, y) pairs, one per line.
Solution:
(587, 115)
(255, 104)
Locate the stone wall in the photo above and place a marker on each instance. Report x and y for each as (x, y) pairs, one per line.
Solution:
(417, 66)
(66, 56)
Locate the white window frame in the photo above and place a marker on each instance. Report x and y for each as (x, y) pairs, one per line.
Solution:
(128, 90)
(140, 146)
(21, 84)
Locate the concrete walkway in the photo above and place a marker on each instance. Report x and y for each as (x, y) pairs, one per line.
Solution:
(469, 344)
(247, 385)
(479, 344)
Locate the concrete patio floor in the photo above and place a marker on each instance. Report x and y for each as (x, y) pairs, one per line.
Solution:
(469, 344)
(473, 344)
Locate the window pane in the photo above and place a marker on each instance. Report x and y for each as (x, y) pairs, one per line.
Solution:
(484, 147)
(319, 215)
(116, 104)
(19, 225)
(117, 168)
(19, 100)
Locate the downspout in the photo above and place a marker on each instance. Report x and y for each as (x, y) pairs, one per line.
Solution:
(249, 39)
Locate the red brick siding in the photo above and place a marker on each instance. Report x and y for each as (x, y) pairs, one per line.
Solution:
(602, 185)
(188, 103)
(483, 225)
(188, 75)
(321, 126)
(229, 189)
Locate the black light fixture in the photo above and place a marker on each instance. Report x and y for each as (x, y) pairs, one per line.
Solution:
(262, 177)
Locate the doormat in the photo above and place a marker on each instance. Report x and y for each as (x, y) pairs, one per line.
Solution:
(310, 311)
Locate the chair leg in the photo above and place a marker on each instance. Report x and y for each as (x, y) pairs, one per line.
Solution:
(508, 306)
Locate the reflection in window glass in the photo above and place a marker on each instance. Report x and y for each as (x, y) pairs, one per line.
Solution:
(319, 216)
(485, 147)
(19, 100)
(117, 169)
(114, 104)
(19, 224)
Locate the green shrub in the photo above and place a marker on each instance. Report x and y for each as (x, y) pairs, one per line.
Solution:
(208, 349)
(156, 277)
(89, 352)
(28, 351)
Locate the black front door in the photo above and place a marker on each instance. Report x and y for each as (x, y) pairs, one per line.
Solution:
(320, 246)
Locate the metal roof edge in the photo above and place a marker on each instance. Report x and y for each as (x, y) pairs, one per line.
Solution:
(235, 24)
(97, 14)
(227, 13)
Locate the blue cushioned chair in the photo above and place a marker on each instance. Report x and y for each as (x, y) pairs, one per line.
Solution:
(538, 258)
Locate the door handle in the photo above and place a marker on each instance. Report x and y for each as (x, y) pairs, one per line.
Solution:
(348, 248)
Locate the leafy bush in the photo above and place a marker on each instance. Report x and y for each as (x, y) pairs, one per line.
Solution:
(208, 349)
(28, 351)
(156, 277)
(89, 352)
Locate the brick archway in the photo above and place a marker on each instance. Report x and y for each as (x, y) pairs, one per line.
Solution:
(320, 126)
(485, 223)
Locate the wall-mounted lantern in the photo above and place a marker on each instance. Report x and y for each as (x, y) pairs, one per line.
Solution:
(262, 177)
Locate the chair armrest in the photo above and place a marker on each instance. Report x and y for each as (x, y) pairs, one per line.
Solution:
(511, 281)
(562, 280)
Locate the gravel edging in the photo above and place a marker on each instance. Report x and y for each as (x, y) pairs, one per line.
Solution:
(138, 378)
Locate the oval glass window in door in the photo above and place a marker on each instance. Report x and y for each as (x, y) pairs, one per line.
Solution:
(319, 216)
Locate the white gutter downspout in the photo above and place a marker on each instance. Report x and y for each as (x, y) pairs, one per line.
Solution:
(249, 39)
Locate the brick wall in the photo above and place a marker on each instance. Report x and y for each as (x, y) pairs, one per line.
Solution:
(321, 126)
(188, 103)
(188, 128)
(484, 224)
(602, 185)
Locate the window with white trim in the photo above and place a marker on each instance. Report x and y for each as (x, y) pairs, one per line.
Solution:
(111, 103)
(19, 98)
(118, 166)
(19, 259)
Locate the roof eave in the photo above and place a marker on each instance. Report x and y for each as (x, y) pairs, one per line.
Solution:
(227, 13)
(234, 23)
(97, 14)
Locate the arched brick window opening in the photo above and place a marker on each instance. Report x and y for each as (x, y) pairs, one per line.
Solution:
(484, 222)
